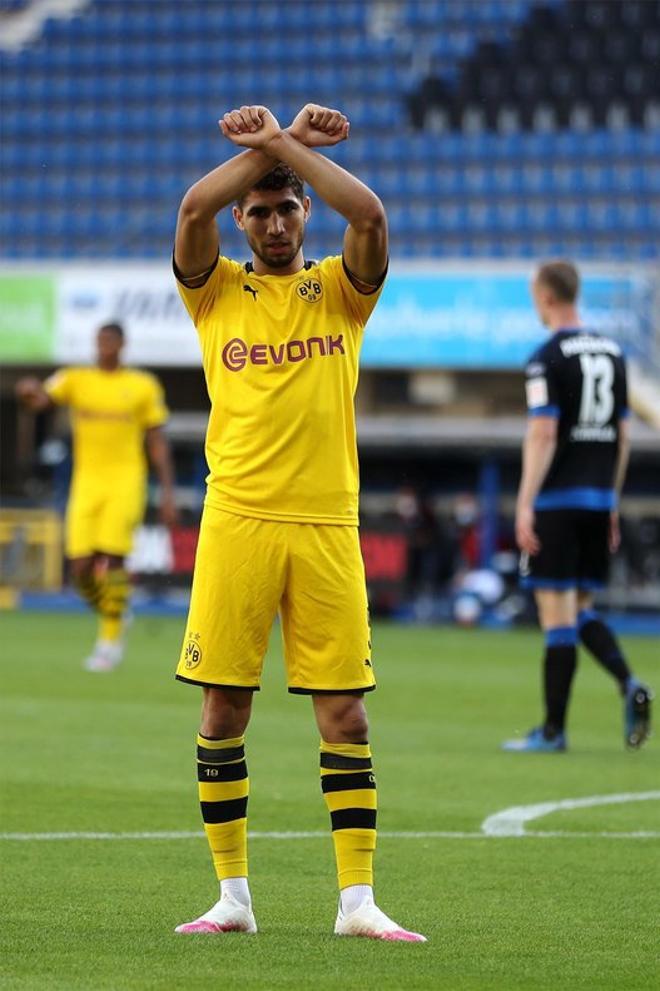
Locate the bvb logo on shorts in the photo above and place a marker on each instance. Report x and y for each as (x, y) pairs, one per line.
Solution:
(192, 651)
(310, 290)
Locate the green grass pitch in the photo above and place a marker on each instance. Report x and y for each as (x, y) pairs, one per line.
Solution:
(115, 753)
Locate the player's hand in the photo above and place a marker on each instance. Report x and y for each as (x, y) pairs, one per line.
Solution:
(317, 126)
(26, 387)
(614, 534)
(249, 127)
(526, 537)
(168, 513)
(29, 392)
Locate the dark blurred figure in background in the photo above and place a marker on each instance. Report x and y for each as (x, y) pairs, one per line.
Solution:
(432, 550)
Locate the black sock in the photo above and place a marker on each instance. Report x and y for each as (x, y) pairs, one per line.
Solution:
(601, 642)
(558, 669)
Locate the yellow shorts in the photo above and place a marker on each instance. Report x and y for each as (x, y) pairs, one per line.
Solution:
(245, 571)
(103, 518)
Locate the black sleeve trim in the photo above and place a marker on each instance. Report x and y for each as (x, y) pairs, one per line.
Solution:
(353, 278)
(204, 276)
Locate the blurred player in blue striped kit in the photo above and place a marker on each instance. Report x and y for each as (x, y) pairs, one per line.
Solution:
(575, 458)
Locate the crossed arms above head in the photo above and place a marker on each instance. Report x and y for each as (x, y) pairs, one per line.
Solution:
(256, 129)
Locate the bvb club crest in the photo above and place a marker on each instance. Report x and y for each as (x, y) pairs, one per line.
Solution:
(310, 290)
(192, 651)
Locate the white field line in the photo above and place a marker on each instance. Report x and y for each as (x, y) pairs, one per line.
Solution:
(510, 823)
(382, 835)
(640, 834)
(431, 835)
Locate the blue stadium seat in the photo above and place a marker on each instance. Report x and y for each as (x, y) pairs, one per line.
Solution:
(110, 114)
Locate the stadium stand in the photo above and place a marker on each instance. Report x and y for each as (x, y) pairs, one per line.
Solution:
(491, 128)
(529, 129)
(574, 65)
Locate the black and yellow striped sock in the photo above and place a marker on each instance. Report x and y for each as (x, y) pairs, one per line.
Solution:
(89, 588)
(349, 789)
(224, 787)
(115, 590)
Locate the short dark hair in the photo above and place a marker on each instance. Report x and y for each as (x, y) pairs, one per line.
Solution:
(115, 328)
(561, 278)
(280, 177)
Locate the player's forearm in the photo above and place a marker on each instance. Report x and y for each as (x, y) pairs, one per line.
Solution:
(225, 184)
(622, 458)
(538, 453)
(336, 187)
(160, 457)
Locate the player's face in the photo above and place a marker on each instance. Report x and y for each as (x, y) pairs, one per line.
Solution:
(108, 347)
(274, 224)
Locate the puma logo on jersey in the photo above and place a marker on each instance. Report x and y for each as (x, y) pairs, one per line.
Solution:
(254, 292)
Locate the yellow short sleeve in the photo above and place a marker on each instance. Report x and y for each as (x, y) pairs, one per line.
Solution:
(154, 411)
(199, 302)
(60, 385)
(360, 305)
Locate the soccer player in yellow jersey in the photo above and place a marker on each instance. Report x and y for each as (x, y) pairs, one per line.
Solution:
(113, 411)
(280, 340)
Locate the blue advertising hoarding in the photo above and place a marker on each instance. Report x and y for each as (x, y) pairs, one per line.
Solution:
(481, 317)
(453, 314)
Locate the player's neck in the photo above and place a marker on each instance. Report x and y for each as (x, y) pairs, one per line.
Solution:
(565, 318)
(259, 267)
(109, 366)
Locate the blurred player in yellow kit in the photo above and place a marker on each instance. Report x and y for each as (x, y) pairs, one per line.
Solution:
(280, 339)
(114, 410)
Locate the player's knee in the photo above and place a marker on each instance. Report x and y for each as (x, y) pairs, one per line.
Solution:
(585, 600)
(342, 719)
(356, 727)
(225, 714)
(81, 568)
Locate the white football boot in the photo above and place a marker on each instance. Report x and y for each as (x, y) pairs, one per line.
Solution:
(227, 916)
(105, 656)
(368, 920)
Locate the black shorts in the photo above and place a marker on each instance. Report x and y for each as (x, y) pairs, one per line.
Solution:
(574, 550)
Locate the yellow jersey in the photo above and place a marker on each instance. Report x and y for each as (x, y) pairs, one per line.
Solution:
(280, 356)
(110, 412)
